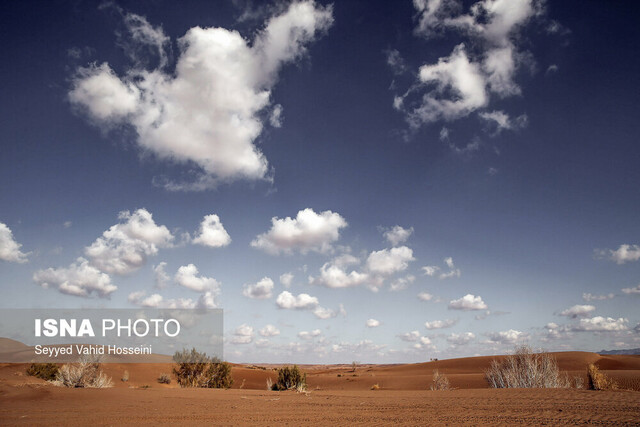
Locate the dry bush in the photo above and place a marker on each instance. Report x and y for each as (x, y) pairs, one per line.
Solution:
(125, 377)
(269, 383)
(526, 369)
(164, 379)
(440, 381)
(84, 374)
(375, 387)
(578, 382)
(290, 378)
(45, 371)
(196, 369)
(598, 380)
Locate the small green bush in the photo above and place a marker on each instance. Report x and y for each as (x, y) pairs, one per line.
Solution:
(196, 369)
(45, 371)
(290, 378)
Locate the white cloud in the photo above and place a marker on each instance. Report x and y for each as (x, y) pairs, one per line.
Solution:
(9, 248)
(601, 324)
(625, 253)
(324, 313)
(212, 233)
(467, 303)
(67, 224)
(309, 231)
(243, 335)
(390, 261)
(454, 74)
(590, 297)
(286, 279)
(401, 283)
(275, 118)
(287, 300)
(634, 290)
(373, 323)
(397, 234)
(261, 290)
(506, 337)
(500, 121)
(269, 331)
(139, 298)
(306, 335)
(462, 82)
(425, 296)
(430, 270)
(187, 276)
(412, 336)
(440, 324)
(333, 274)
(461, 339)
(578, 311)
(207, 111)
(125, 246)
(161, 278)
(79, 279)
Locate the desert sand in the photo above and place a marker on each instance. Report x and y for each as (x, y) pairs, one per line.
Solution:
(336, 395)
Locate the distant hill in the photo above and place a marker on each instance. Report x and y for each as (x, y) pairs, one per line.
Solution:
(625, 351)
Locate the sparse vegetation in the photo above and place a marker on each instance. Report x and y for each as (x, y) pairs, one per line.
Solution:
(375, 387)
(269, 383)
(125, 377)
(164, 379)
(290, 378)
(84, 374)
(196, 369)
(440, 381)
(578, 382)
(354, 365)
(45, 371)
(598, 380)
(526, 369)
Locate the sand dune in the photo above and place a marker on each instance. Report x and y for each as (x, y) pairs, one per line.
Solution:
(337, 395)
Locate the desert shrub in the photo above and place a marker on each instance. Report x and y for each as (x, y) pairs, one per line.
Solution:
(598, 380)
(196, 369)
(290, 378)
(375, 387)
(269, 383)
(526, 369)
(125, 377)
(86, 373)
(164, 379)
(45, 371)
(578, 382)
(440, 381)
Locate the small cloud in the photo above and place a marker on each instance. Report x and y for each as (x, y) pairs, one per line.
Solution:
(440, 324)
(425, 296)
(308, 231)
(286, 279)
(79, 279)
(275, 118)
(492, 171)
(625, 253)
(373, 323)
(601, 324)
(634, 290)
(187, 276)
(261, 290)
(590, 297)
(269, 331)
(9, 248)
(461, 339)
(67, 224)
(305, 335)
(551, 69)
(390, 261)
(506, 337)
(412, 336)
(467, 303)
(212, 233)
(161, 278)
(286, 300)
(578, 311)
(243, 335)
(401, 283)
(397, 234)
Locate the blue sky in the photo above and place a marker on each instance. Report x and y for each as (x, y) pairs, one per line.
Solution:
(373, 181)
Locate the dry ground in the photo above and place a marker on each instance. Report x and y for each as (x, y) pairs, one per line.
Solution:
(337, 395)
